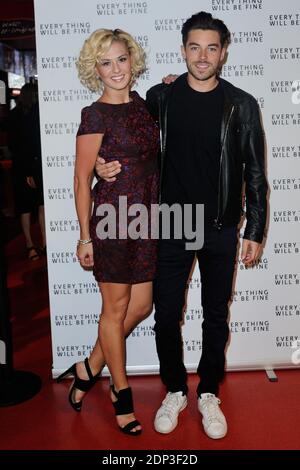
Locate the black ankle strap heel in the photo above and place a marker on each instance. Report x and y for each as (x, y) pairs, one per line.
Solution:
(123, 406)
(79, 384)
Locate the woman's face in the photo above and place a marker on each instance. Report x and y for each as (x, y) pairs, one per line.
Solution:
(114, 67)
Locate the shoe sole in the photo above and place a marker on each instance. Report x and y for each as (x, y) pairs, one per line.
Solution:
(175, 425)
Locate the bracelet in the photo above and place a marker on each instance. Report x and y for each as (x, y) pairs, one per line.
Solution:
(84, 242)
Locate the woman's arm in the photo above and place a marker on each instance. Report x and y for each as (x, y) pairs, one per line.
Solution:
(87, 148)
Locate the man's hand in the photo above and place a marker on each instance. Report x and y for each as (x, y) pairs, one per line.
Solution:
(250, 252)
(107, 171)
(31, 182)
(169, 78)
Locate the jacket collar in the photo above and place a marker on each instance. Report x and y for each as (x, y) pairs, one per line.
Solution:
(231, 94)
(230, 91)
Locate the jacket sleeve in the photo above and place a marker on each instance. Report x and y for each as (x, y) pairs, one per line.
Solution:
(152, 100)
(255, 179)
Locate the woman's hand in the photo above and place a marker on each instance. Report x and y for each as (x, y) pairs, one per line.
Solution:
(85, 255)
(107, 171)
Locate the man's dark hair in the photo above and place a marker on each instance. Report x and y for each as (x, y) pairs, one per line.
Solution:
(205, 21)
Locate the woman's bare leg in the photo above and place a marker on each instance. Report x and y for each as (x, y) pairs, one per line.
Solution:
(42, 224)
(115, 301)
(139, 307)
(25, 223)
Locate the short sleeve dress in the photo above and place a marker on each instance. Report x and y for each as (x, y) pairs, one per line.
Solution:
(131, 137)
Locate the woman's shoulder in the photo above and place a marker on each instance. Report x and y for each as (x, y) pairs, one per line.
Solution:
(92, 120)
(93, 110)
(91, 107)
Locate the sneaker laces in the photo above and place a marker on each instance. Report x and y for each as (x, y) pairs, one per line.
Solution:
(170, 404)
(211, 406)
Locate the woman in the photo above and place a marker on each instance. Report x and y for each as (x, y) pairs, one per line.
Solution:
(117, 126)
(25, 146)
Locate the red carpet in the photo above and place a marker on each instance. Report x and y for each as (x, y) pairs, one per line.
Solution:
(260, 414)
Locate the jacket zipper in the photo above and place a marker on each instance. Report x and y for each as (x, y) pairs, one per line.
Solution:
(217, 222)
(163, 140)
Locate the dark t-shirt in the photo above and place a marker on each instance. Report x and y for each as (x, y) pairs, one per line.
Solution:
(193, 147)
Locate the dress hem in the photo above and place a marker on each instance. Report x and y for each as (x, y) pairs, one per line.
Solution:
(126, 282)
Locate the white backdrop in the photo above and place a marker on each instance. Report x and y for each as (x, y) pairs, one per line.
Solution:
(263, 60)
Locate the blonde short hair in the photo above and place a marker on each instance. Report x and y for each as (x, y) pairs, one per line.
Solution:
(96, 45)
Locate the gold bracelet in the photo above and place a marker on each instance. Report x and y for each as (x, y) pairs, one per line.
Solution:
(84, 242)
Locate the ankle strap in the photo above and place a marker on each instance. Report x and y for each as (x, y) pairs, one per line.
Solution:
(88, 369)
(124, 403)
(112, 387)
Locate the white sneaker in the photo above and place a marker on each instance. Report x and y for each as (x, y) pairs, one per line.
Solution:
(166, 418)
(214, 422)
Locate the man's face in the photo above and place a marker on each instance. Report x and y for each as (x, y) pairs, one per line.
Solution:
(203, 53)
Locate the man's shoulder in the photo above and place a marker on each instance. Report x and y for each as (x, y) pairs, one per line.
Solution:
(156, 90)
(237, 94)
(163, 88)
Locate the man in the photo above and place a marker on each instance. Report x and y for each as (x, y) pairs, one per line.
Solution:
(211, 141)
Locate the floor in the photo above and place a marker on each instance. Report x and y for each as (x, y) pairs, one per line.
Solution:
(260, 414)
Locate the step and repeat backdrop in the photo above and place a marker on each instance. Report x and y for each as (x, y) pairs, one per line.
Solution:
(263, 59)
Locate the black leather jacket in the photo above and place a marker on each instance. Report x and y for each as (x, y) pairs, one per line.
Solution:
(242, 156)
